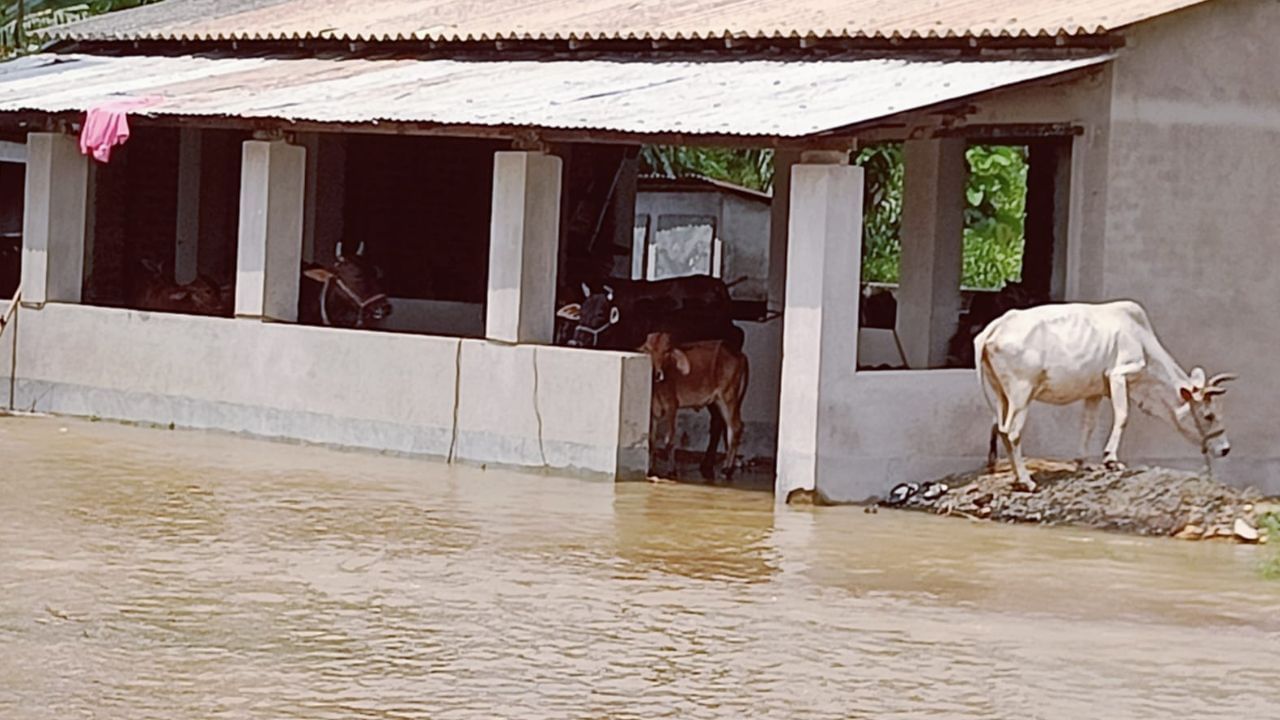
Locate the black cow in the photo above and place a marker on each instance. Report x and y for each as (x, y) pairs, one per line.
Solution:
(621, 314)
(347, 293)
(985, 308)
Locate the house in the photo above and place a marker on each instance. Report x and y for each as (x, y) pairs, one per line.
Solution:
(487, 157)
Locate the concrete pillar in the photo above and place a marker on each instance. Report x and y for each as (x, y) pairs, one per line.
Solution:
(933, 203)
(186, 251)
(820, 332)
(326, 196)
(779, 212)
(524, 239)
(269, 257)
(53, 221)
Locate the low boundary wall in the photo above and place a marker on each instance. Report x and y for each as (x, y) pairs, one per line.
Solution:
(458, 399)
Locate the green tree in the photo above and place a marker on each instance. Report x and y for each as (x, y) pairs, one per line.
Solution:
(995, 214)
(882, 212)
(752, 168)
(38, 15)
(995, 218)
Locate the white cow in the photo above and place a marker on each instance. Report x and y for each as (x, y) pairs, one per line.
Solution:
(1063, 353)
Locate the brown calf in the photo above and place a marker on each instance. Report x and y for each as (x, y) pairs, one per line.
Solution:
(698, 375)
(201, 296)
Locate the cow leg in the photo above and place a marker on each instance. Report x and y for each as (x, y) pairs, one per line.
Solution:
(731, 409)
(1090, 421)
(1017, 401)
(993, 455)
(1120, 416)
(708, 467)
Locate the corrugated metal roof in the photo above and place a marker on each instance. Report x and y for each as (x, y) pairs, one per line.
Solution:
(758, 97)
(450, 20)
(698, 183)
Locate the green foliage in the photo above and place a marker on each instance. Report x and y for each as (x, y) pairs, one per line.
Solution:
(41, 14)
(37, 16)
(882, 212)
(751, 168)
(995, 216)
(1270, 525)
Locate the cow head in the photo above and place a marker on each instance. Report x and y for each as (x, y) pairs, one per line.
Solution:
(351, 292)
(1199, 415)
(206, 297)
(666, 361)
(665, 358)
(597, 314)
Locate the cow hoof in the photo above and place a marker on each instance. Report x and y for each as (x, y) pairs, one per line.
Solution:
(1114, 465)
(1025, 485)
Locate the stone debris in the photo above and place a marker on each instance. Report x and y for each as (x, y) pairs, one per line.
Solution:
(1140, 501)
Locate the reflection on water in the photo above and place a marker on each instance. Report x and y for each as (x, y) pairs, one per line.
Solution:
(149, 573)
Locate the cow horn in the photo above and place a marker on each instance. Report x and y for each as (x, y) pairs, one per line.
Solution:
(1220, 378)
(337, 251)
(360, 249)
(586, 290)
(608, 292)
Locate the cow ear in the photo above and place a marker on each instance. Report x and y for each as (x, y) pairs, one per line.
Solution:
(1188, 394)
(572, 311)
(1197, 378)
(318, 274)
(682, 361)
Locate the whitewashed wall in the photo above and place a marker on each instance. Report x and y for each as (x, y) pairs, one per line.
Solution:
(470, 400)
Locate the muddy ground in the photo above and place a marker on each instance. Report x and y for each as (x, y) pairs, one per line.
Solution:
(1141, 501)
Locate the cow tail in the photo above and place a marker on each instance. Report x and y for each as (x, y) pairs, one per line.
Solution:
(983, 366)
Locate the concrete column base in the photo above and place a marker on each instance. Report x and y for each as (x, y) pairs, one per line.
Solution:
(269, 257)
(524, 241)
(820, 333)
(54, 219)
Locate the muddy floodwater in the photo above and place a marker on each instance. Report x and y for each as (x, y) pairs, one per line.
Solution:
(158, 574)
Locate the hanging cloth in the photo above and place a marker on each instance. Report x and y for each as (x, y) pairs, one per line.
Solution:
(107, 125)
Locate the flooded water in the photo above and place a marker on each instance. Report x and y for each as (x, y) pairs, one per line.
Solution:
(158, 574)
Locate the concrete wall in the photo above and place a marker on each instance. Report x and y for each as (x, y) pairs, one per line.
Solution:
(1171, 205)
(6, 356)
(907, 425)
(463, 399)
(742, 226)
(1192, 215)
(886, 427)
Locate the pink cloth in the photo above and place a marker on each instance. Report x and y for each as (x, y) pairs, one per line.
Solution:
(107, 125)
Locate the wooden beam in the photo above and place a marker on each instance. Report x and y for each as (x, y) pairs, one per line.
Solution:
(280, 128)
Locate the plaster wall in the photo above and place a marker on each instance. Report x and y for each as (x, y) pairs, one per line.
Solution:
(886, 427)
(742, 226)
(467, 400)
(1192, 214)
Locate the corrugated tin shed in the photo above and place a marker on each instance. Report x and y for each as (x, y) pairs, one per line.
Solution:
(699, 183)
(450, 20)
(774, 98)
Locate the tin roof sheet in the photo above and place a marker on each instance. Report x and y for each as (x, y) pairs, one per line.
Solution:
(777, 98)
(450, 20)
